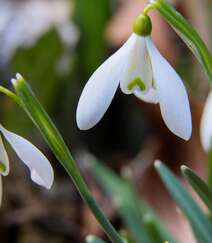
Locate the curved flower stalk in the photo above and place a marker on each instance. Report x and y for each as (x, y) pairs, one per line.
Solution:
(139, 69)
(206, 124)
(40, 169)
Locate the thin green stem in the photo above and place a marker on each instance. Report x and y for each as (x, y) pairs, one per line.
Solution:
(10, 94)
(149, 7)
(55, 141)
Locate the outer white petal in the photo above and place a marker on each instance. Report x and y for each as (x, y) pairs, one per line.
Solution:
(138, 65)
(4, 158)
(1, 190)
(172, 95)
(101, 88)
(150, 97)
(40, 168)
(206, 124)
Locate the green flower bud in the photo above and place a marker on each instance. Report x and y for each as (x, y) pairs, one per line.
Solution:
(142, 25)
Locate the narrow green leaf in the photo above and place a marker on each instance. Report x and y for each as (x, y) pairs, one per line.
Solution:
(199, 222)
(187, 33)
(51, 134)
(131, 208)
(122, 196)
(202, 189)
(93, 239)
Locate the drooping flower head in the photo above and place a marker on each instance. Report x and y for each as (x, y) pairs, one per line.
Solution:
(40, 169)
(139, 69)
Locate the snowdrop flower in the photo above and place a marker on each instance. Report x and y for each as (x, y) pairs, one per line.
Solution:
(139, 69)
(206, 124)
(40, 168)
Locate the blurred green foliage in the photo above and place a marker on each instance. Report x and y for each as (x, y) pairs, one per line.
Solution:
(39, 65)
(138, 216)
(91, 18)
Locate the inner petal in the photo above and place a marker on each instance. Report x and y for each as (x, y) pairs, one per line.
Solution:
(137, 74)
(4, 161)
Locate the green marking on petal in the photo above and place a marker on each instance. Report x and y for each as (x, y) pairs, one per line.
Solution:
(2, 167)
(137, 82)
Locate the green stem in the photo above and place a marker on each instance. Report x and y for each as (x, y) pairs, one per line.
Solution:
(149, 7)
(10, 94)
(55, 141)
(187, 33)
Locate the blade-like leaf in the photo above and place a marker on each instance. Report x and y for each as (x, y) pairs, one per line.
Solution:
(131, 208)
(187, 33)
(51, 134)
(122, 195)
(199, 222)
(202, 189)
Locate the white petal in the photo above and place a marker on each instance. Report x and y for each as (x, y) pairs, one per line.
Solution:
(1, 190)
(172, 95)
(150, 97)
(4, 158)
(206, 124)
(138, 65)
(40, 168)
(100, 89)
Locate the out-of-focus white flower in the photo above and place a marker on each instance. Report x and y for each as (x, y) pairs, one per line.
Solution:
(206, 124)
(40, 169)
(23, 22)
(141, 70)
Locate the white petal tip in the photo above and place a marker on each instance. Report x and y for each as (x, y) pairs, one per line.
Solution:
(48, 187)
(185, 135)
(83, 125)
(46, 182)
(87, 118)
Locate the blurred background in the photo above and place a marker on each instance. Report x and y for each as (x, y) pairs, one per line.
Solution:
(56, 45)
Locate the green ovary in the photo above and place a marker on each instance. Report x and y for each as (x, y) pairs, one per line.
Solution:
(137, 82)
(2, 167)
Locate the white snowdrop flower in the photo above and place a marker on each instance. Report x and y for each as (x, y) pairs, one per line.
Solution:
(206, 124)
(139, 69)
(40, 169)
